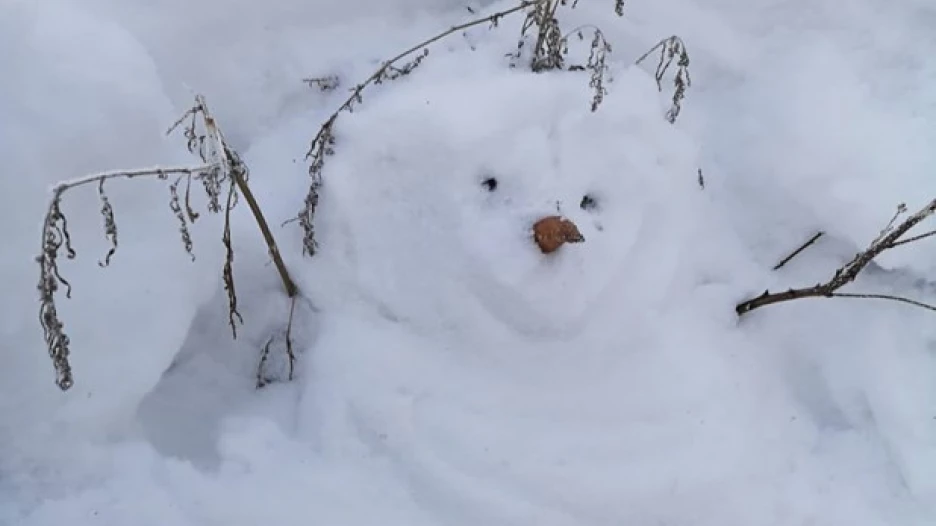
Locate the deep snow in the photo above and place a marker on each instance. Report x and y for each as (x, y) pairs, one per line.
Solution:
(450, 373)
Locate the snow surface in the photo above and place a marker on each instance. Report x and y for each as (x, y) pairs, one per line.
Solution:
(451, 374)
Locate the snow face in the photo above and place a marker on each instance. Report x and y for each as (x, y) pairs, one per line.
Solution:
(439, 247)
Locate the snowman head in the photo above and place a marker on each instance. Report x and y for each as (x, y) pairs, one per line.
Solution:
(503, 196)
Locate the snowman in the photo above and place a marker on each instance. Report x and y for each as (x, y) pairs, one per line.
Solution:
(492, 256)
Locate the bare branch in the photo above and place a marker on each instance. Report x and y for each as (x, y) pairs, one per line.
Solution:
(912, 239)
(888, 238)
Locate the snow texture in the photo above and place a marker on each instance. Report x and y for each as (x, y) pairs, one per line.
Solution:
(450, 373)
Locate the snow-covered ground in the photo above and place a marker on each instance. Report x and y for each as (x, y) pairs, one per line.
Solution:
(450, 373)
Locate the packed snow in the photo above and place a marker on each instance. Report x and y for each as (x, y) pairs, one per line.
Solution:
(449, 372)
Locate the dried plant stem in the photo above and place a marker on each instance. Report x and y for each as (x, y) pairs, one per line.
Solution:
(888, 238)
(55, 236)
(289, 348)
(221, 166)
(158, 172)
(261, 378)
(355, 96)
(796, 252)
(672, 48)
(288, 284)
(547, 54)
(238, 174)
(885, 297)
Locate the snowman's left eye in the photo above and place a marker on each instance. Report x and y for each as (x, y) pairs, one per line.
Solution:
(489, 183)
(588, 203)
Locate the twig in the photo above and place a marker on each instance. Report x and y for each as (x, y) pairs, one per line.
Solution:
(846, 274)
(289, 348)
(355, 96)
(912, 239)
(796, 252)
(885, 297)
(158, 172)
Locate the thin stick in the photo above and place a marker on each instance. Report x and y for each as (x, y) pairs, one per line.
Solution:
(885, 297)
(912, 239)
(796, 252)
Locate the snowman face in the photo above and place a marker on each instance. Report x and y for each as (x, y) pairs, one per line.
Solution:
(437, 188)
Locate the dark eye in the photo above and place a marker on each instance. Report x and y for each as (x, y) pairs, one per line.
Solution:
(588, 203)
(489, 183)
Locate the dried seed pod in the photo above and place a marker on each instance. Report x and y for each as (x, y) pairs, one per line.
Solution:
(552, 232)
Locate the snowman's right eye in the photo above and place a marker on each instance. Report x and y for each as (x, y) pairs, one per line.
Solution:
(489, 184)
(588, 203)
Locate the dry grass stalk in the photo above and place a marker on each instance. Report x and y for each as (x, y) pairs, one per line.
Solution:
(672, 49)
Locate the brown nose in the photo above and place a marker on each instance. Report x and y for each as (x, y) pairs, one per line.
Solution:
(552, 232)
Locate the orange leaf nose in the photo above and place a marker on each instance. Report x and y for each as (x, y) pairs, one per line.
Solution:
(552, 232)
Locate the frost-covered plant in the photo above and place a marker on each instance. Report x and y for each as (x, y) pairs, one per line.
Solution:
(221, 173)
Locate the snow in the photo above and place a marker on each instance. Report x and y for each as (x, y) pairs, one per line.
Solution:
(449, 372)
